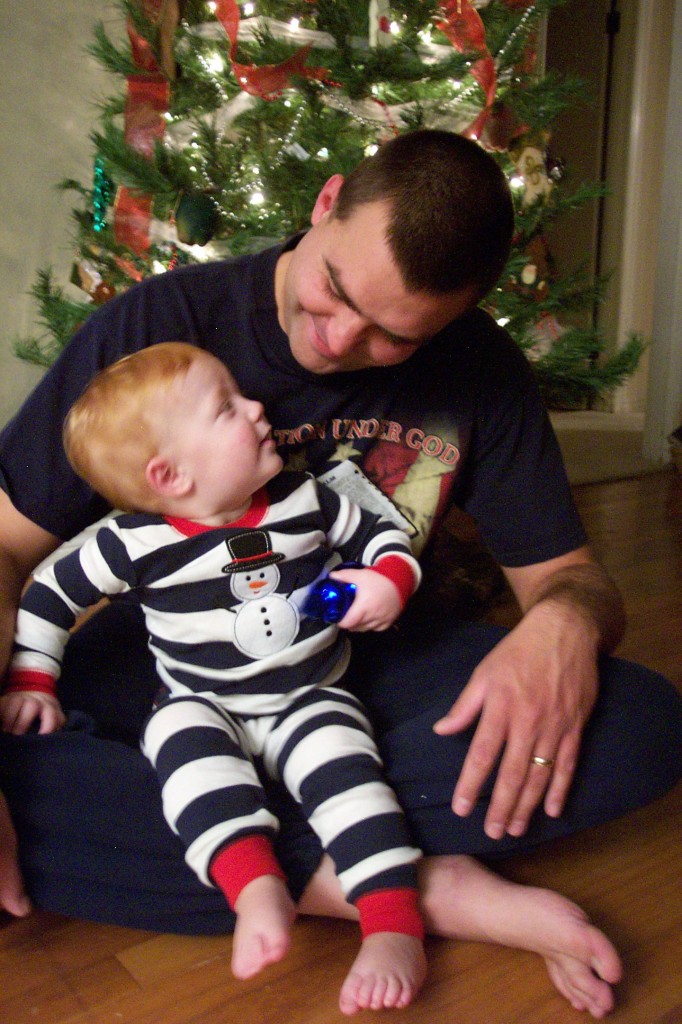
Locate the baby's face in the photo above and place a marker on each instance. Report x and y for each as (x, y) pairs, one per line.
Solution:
(219, 437)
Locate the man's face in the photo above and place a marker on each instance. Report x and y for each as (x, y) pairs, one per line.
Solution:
(341, 299)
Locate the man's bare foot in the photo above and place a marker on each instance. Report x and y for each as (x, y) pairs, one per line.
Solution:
(464, 900)
(388, 972)
(13, 899)
(265, 914)
(461, 899)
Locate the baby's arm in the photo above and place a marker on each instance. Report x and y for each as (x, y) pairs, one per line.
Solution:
(30, 693)
(42, 630)
(381, 594)
(20, 709)
(392, 573)
(45, 617)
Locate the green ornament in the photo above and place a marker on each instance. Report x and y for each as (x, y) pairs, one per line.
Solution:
(196, 218)
(101, 195)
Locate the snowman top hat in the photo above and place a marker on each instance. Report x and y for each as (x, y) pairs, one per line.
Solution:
(250, 551)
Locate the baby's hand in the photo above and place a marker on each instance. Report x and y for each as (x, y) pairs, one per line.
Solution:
(18, 712)
(376, 604)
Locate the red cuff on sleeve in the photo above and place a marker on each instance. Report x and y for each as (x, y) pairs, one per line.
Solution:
(19, 680)
(400, 573)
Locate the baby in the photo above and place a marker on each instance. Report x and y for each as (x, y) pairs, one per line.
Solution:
(221, 550)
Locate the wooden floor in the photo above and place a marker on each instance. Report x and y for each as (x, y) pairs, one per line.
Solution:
(626, 875)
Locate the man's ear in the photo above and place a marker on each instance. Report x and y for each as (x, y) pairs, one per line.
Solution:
(326, 199)
(166, 479)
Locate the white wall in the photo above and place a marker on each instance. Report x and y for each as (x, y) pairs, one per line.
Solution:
(631, 220)
(664, 406)
(49, 91)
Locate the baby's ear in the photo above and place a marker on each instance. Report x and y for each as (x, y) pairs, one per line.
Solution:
(166, 479)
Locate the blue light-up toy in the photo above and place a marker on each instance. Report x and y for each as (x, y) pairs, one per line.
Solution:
(330, 599)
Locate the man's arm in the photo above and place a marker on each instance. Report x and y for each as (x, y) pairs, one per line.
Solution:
(578, 581)
(13, 899)
(22, 546)
(536, 689)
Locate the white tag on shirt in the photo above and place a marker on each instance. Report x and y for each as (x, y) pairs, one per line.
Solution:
(347, 478)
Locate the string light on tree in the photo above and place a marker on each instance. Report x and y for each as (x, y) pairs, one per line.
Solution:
(215, 64)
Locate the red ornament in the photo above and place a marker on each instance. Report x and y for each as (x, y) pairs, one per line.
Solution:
(128, 268)
(102, 293)
(501, 127)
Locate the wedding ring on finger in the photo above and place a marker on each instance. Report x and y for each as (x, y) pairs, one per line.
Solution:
(542, 762)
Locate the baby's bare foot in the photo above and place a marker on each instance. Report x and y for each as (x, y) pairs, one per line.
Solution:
(388, 972)
(265, 914)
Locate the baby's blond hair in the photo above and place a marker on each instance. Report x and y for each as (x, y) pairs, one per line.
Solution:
(112, 431)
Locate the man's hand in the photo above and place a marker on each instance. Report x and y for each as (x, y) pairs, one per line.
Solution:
(534, 694)
(13, 899)
(18, 712)
(535, 691)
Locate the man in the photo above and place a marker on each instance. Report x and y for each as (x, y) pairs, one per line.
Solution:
(363, 342)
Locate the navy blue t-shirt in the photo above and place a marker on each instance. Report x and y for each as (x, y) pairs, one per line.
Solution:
(461, 421)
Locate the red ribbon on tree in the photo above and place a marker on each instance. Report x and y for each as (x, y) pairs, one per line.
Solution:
(466, 32)
(147, 98)
(268, 80)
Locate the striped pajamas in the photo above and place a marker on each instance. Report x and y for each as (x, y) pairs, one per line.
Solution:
(249, 680)
(320, 748)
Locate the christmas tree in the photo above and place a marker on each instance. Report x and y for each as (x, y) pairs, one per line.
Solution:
(229, 119)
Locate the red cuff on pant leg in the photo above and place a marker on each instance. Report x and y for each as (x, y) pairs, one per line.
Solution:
(390, 910)
(239, 863)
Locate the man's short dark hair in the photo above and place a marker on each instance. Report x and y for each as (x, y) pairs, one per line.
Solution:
(452, 217)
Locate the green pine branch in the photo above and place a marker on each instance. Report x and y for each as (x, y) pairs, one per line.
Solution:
(116, 60)
(133, 169)
(574, 375)
(60, 317)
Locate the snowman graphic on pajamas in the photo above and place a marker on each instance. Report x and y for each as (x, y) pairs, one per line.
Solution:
(265, 622)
